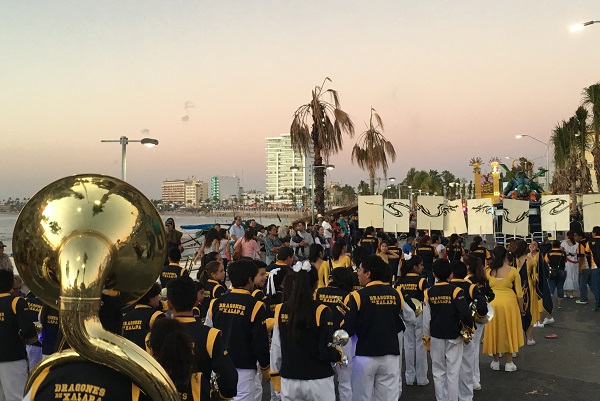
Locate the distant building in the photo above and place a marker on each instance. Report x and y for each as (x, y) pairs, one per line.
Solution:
(187, 193)
(224, 187)
(282, 182)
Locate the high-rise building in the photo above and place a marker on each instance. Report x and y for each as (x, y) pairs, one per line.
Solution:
(224, 187)
(283, 184)
(187, 193)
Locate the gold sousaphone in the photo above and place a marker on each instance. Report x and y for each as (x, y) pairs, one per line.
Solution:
(78, 237)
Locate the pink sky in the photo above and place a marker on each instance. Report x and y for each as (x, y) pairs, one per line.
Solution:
(451, 80)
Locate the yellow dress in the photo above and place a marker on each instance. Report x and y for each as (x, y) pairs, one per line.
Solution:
(535, 301)
(504, 333)
(323, 273)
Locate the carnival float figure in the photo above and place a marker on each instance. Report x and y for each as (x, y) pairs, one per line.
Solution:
(521, 184)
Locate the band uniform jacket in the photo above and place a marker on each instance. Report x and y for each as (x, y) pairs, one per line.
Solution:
(428, 253)
(197, 389)
(242, 319)
(171, 271)
(34, 307)
(412, 286)
(84, 380)
(211, 355)
(307, 357)
(374, 315)
(445, 308)
(556, 259)
(455, 252)
(336, 299)
(482, 253)
(370, 243)
(484, 288)
(212, 290)
(593, 248)
(472, 294)
(138, 322)
(15, 326)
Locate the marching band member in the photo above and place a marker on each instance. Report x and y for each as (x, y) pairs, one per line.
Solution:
(476, 275)
(335, 296)
(300, 355)
(139, 320)
(173, 348)
(209, 348)
(241, 318)
(211, 277)
(472, 294)
(173, 269)
(375, 317)
(412, 285)
(454, 250)
(444, 311)
(479, 250)
(428, 253)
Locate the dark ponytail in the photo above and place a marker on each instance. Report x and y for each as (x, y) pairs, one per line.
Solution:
(475, 267)
(206, 273)
(172, 347)
(500, 253)
(477, 240)
(410, 264)
(300, 304)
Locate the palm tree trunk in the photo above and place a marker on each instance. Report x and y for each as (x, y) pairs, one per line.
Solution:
(319, 174)
(372, 184)
(596, 155)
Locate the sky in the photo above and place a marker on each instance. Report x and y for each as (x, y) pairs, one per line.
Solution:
(450, 79)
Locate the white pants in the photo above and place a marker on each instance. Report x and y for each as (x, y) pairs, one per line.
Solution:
(307, 390)
(13, 376)
(415, 353)
(465, 377)
(34, 356)
(446, 356)
(401, 345)
(375, 378)
(477, 340)
(246, 387)
(258, 386)
(344, 374)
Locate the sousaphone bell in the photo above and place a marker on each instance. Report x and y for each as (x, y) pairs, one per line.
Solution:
(77, 238)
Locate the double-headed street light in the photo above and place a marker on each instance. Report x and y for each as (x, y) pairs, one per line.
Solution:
(547, 157)
(579, 27)
(149, 142)
(311, 168)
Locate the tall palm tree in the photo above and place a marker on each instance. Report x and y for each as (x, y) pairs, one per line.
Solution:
(317, 127)
(372, 150)
(562, 138)
(363, 188)
(591, 97)
(582, 145)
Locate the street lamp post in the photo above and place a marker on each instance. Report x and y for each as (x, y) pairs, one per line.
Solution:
(547, 157)
(311, 169)
(149, 142)
(579, 27)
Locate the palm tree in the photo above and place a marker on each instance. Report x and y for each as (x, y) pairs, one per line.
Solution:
(591, 97)
(563, 137)
(363, 188)
(317, 127)
(582, 145)
(372, 150)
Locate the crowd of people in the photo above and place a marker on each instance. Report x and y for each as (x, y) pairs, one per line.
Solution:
(264, 307)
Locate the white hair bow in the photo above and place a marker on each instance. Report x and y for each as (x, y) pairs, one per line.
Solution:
(306, 266)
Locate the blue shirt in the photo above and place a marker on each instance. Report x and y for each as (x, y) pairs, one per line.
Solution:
(407, 248)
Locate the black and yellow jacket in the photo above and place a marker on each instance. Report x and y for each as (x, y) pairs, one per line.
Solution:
(445, 308)
(84, 380)
(14, 326)
(412, 286)
(557, 258)
(138, 322)
(455, 252)
(472, 293)
(34, 307)
(211, 355)
(197, 389)
(482, 253)
(592, 248)
(371, 243)
(242, 319)
(428, 253)
(336, 299)
(484, 288)
(212, 290)
(306, 357)
(171, 271)
(374, 316)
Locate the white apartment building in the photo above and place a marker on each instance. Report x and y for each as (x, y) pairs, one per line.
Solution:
(281, 180)
(188, 192)
(224, 187)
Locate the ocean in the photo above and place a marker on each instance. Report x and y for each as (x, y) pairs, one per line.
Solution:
(8, 221)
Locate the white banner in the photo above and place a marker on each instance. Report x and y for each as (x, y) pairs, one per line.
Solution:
(555, 212)
(454, 220)
(591, 212)
(430, 212)
(370, 211)
(396, 215)
(515, 217)
(481, 216)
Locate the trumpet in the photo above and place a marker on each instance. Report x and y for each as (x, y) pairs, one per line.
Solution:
(479, 318)
(466, 333)
(340, 338)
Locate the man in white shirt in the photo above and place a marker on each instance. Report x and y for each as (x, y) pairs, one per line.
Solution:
(328, 234)
(236, 231)
(301, 247)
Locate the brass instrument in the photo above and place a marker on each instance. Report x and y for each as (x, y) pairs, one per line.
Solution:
(481, 319)
(340, 338)
(418, 306)
(466, 333)
(77, 237)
